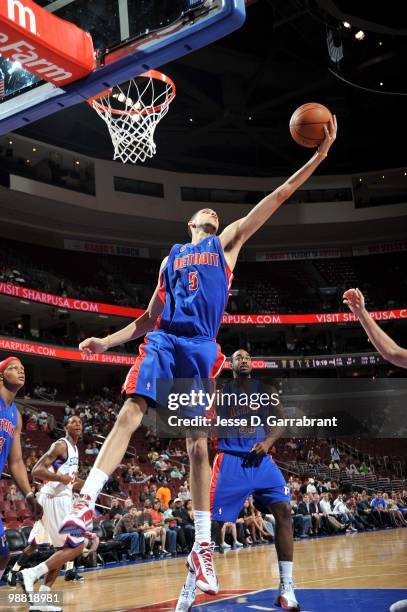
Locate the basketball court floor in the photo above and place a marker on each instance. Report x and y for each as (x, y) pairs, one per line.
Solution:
(361, 571)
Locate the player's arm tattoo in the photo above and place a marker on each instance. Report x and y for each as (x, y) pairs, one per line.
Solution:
(57, 451)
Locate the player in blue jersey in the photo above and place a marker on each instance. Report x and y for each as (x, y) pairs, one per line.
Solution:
(12, 378)
(180, 326)
(243, 467)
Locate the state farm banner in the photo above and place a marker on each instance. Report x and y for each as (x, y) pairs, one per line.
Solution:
(14, 345)
(296, 254)
(59, 301)
(105, 248)
(380, 248)
(52, 48)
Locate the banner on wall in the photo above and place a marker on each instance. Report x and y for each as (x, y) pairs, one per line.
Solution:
(14, 345)
(297, 254)
(105, 248)
(309, 319)
(380, 248)
(59, 301)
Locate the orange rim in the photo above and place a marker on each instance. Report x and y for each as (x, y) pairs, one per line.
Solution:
(95, 101)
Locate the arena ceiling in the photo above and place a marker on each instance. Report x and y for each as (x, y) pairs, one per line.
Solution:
(235, 97)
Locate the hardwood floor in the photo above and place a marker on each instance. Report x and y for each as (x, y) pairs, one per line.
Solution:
(366, 560)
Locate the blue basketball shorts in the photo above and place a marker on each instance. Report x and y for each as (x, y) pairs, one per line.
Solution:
(167, 363)
(231, 484)
(4, 548)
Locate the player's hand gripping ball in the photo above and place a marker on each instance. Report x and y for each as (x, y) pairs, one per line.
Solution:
(309, 123)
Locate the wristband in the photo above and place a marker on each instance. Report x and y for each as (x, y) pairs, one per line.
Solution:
(30, 494)
(322, 154)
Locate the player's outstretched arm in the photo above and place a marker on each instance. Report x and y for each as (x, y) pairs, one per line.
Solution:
(388, 349)
(237, 233)
(19, 472)
(41, 468)
(139, 327)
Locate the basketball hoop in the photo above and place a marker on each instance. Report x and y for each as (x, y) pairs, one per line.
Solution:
(132, 113)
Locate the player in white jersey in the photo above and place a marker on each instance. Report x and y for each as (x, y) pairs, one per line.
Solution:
(58, 469)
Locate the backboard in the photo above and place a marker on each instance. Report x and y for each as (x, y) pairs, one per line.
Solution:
(129, 37)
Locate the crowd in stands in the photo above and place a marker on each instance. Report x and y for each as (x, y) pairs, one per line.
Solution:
(98, 413)
(318, 508)
(146, 504)
(318, 457)
(154, 518)
(79, 275)
(146, 510)
(37, 421)
(276, 287)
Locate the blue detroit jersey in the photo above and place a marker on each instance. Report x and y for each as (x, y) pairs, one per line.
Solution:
(194, 287)
(241, 439)
(8, 426)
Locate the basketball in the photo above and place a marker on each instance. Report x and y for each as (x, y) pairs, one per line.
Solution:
(307, 124)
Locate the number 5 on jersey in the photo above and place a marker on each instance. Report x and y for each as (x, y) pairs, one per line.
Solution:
(193, 281)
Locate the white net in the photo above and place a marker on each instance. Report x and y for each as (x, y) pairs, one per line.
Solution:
(132, 113)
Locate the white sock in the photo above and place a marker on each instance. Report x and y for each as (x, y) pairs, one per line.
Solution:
(202, 526)
(190, 582)
(286, 571)
(69, 565)
(94, 483)
(39, 570)
(44, 588)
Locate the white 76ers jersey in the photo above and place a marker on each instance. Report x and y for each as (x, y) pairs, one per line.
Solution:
(70, 466)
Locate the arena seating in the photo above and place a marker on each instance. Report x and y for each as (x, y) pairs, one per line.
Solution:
(277, 287)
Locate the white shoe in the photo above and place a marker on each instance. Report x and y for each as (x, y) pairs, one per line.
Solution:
(238, 544)
(286, 597)
(80, 518)
(27, 579)
(200, 561)
(185, 600)
(225, 546)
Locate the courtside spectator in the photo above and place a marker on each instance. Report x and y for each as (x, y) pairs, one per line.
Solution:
(333, 525)
(127, 530)
(115, 511)
(164, 495)
(184, 520)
